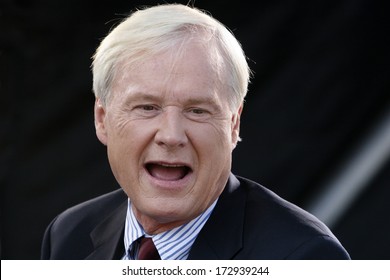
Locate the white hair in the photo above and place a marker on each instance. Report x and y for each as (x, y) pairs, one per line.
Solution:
(154, 30)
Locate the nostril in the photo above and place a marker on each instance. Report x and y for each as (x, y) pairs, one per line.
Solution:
(171, 138)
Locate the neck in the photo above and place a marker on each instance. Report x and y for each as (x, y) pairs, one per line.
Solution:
(154, 226)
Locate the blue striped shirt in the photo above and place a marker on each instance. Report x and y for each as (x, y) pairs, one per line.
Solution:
(174, 244)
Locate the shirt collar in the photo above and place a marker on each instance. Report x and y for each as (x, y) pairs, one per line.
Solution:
(174, 244)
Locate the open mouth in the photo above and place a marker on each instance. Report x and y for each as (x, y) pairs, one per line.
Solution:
(168, 171)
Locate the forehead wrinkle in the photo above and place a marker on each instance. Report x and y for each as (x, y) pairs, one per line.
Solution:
(127, 84)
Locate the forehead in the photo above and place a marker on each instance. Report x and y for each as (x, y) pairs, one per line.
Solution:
(190, 68)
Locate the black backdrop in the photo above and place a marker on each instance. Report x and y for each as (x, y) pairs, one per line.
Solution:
(321, 83)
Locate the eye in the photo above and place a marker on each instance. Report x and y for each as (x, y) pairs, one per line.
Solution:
(198, 111)
(146, 110)
(147, 107)
(198, 114)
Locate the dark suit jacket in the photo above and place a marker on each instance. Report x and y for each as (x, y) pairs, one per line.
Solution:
(248, 222)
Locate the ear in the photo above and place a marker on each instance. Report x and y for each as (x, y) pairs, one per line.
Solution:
(236, 126)
(100, 115)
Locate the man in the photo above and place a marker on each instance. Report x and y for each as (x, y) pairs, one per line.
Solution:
(170, 83)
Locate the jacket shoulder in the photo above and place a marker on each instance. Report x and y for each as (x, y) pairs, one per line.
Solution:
(70, 231)
(100, 206)
(284, 230)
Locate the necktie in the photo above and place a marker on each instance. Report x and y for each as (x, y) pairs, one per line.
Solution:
(147, 250)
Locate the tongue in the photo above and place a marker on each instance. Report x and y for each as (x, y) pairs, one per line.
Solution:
(167, 173)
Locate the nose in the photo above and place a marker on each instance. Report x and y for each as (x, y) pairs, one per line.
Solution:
(171, 132)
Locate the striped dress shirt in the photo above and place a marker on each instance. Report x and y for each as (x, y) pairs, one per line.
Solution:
(174, 244)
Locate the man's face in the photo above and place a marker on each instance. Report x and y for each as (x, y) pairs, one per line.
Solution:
(169, 133)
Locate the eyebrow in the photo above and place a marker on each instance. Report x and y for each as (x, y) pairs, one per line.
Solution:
(143, 96)
(201, 100)
(139, 95)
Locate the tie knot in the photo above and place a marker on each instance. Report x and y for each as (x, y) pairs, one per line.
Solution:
(147, 250)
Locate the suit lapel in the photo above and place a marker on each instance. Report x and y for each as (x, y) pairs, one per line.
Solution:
(106, 237)
(221, 237)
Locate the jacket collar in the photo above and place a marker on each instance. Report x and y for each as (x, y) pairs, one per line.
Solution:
(225, 223)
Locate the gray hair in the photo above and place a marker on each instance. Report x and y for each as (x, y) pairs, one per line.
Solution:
(153, 30)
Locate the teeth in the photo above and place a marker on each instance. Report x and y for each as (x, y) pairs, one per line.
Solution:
(171, 165)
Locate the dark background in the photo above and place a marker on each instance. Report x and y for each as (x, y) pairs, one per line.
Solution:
(321, 85)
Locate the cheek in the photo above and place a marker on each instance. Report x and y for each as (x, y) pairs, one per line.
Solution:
(125, 132)
(214, 154)
(214, 136)
(126, 142)
(213, 145)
